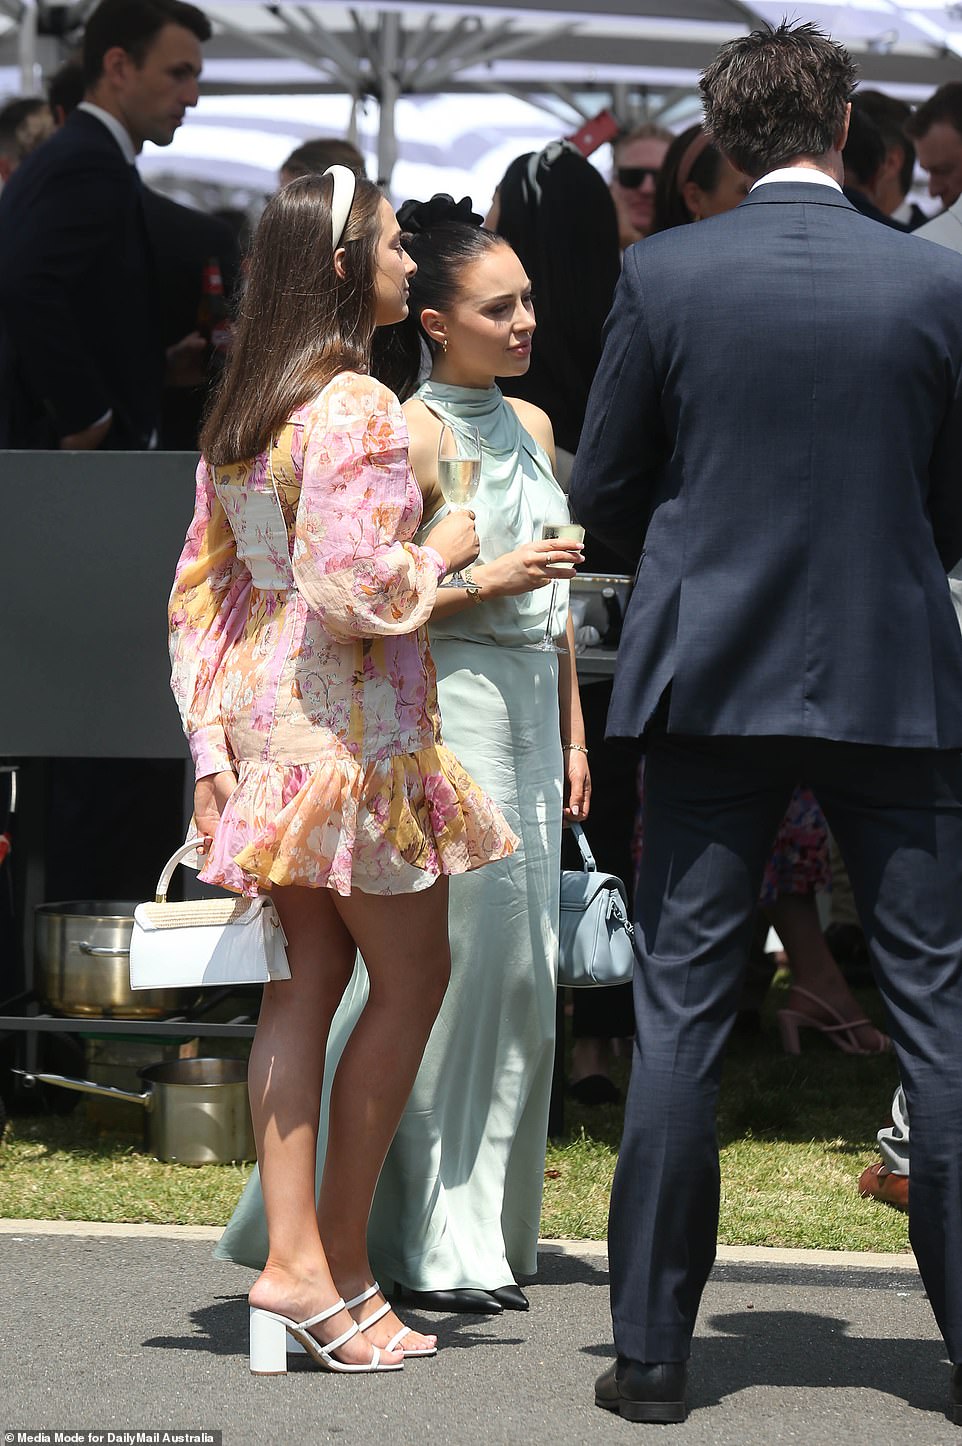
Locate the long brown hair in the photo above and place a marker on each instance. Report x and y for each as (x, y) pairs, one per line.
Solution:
(299, 323)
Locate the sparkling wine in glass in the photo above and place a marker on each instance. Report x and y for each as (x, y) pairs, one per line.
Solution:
(459, 473)
(569, 532)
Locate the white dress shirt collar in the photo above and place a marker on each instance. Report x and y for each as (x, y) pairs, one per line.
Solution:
(116, 128)
(795, 174)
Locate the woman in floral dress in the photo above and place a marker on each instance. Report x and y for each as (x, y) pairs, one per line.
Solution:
(301, 668)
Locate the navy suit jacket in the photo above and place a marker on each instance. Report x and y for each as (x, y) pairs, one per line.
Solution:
(79, 331)
(774, 437)
(182, 241)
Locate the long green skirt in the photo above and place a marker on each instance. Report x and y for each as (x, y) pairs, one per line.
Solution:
(458, 1203)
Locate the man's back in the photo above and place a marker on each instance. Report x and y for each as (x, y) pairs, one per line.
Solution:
(797, 441)
(777, 425)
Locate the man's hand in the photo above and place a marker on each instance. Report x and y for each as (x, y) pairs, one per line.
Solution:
(89, 439)
(187, 361)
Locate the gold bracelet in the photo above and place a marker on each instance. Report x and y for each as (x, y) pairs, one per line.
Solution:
(576, 747)
(471, 587)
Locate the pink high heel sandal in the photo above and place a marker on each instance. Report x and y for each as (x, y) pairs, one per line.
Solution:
(842, 1033)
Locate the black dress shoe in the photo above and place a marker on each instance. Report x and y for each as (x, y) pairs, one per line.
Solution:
(640, 1392)
(595, 1089)
(510, 1297)
(453, 1302)
(955, 1396)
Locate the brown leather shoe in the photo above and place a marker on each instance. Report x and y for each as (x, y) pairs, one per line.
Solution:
(879, 1183)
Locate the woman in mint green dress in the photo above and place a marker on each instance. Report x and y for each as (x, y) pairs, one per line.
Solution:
(456, 1214)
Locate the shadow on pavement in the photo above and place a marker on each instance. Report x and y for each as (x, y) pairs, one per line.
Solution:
(804, 1350)
(220, 1329)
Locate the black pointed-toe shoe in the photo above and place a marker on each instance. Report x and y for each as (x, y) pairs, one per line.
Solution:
(451, 1302)
(510, 1297)
(955, 1396)
(638, 1392)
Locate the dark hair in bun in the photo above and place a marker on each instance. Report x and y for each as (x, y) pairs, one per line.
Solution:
(443, 236)
(417, 217)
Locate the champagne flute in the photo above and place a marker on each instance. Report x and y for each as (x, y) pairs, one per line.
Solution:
(459, 473)
(569, 532)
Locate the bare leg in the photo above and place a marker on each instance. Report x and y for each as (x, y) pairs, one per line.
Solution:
(795, 920)
(404, 943)
(284, 1081)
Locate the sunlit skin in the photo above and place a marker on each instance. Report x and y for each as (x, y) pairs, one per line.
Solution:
(732, 188)
(636, 206)
(151, 99)
(394, 270)
(490, 326)
(940, 153)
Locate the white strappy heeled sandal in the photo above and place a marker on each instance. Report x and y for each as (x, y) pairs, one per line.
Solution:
(268, 1344)
(376, 1315)
(295, 1348)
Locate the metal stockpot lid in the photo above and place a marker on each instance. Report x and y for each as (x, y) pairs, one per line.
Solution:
(112, 910)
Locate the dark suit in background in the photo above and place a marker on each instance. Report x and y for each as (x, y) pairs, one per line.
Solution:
(182, 241)
(79, 325)
(775, 435)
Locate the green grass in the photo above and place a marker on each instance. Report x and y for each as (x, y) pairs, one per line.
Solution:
(62, 1167)
(795, 1134)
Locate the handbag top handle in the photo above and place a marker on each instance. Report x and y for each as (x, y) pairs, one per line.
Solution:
(580, 838)
(167, 872)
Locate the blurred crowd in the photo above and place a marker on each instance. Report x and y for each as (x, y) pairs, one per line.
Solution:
(86, 246)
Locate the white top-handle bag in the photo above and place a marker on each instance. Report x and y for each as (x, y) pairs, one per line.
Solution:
(205, 941)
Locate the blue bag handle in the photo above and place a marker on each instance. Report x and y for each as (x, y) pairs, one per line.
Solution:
(582, 841)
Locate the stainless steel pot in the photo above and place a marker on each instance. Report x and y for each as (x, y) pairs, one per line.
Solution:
(197, 1110)
(82, 963)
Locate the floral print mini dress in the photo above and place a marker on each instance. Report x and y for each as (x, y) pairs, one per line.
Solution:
(300, 660)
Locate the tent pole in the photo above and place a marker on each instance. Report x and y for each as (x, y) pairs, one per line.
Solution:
(389, 94)
(27, 47)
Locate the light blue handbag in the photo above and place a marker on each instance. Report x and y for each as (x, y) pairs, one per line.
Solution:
(595, 933)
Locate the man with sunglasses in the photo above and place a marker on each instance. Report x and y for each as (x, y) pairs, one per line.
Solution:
(638, 155)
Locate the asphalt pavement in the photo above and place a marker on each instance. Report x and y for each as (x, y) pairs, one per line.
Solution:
(125, 1332)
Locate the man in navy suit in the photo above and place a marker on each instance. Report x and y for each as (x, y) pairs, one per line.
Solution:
(82, 359)
(775, 434)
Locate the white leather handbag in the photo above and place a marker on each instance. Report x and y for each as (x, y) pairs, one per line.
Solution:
(205, 942)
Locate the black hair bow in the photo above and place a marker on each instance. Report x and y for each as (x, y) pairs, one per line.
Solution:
(416, 217)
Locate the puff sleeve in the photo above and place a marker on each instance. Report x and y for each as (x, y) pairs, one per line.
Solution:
(352, 561)
(206, 613)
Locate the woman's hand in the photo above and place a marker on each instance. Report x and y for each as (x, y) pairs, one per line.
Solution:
(577, 785)
(210, 797)
(455, 539)
(530, 566)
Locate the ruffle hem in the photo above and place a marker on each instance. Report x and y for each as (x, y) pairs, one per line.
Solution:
(340, 825)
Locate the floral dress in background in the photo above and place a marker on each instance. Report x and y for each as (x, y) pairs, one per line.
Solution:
(300, 661)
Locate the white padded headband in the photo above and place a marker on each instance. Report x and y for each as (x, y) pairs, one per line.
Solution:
(345, 183)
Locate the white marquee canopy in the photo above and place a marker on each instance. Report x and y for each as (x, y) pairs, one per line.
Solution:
(640, 57)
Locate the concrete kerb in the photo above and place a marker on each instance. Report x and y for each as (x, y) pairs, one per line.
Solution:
(585, 1249)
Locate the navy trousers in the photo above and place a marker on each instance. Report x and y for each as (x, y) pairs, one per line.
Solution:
(712, 807)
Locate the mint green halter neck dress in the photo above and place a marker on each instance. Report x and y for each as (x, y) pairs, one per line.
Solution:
(458, 1203)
